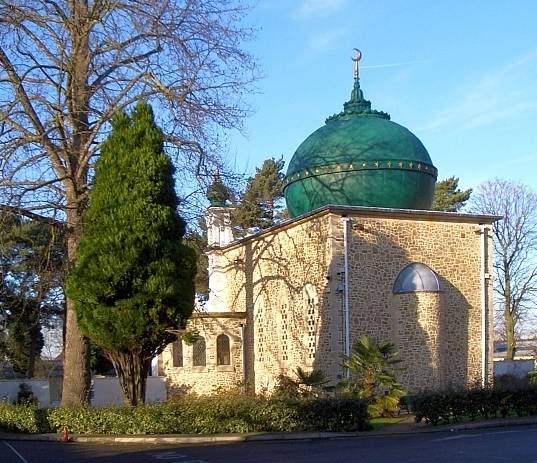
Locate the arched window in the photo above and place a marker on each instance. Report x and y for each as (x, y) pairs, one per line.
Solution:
(177, 353)
(416, 277)
(199, 355)
(223, 354)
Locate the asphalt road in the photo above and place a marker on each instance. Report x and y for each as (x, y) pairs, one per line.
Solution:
(516, 444)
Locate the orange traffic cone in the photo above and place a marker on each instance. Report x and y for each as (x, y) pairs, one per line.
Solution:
(65, 435)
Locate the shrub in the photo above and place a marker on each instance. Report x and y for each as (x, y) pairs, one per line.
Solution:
(25, 396)
(452, 406)
(305, 384)
(195, 415)
(373, 367)
(23, 418)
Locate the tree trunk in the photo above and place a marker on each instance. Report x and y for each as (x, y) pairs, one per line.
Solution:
(132, 369)
(34, 333)
(76, 368)
(509, 321)
(509, 335)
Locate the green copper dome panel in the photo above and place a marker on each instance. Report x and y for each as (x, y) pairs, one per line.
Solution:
(395, 188)
(362, 138)
(360, 158)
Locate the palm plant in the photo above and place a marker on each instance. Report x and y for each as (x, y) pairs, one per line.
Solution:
(373, 367)
(310, 383)
(304, 385)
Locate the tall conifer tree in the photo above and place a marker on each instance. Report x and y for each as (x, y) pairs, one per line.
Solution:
(448, 197)
(133, 279)
(260, 202)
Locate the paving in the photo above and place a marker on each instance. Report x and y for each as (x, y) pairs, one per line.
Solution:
(407, 426)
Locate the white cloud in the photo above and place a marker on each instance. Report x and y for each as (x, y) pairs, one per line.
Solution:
(496, 96)
(311, 8)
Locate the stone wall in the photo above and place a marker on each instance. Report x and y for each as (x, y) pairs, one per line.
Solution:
(210, 378)
(290, 283)
(439, 335)
(286, 277)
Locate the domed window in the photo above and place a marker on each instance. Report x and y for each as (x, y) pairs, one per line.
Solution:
(177, 353)
(199, 353)
(223, 355)
(416, 277)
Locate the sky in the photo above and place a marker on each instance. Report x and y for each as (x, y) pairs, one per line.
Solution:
(461, 75)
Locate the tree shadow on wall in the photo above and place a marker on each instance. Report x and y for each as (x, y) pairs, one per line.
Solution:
(275, 268)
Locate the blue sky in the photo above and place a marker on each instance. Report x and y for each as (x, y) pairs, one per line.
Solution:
(461, 75)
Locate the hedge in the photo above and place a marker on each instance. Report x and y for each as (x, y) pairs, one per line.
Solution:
(485, 403)
(201, 415)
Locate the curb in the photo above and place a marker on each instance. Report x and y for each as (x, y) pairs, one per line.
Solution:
(398, 430)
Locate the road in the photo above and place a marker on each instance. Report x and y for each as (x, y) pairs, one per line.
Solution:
(514, 444)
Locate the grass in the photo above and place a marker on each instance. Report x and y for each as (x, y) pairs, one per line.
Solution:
(380, 423)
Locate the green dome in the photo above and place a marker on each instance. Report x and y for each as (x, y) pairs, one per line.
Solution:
(360, 158)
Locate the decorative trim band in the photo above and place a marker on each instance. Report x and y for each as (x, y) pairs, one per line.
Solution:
(399, 164)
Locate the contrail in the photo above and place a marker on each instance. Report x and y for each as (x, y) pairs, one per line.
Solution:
(393, 65)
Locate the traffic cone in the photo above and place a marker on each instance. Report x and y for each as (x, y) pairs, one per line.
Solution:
(65, 435)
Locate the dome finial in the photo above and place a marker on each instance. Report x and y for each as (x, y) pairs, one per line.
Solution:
(357, 94)
(356, 58)
(218, 192)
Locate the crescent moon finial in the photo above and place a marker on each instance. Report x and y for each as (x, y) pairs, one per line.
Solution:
(356, 58)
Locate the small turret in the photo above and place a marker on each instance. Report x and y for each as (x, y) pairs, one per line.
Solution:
(219, 233)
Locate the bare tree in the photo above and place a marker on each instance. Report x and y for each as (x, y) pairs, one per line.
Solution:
(67, 65)
(515, 249)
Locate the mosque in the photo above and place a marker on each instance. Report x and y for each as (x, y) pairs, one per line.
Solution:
(361, 254)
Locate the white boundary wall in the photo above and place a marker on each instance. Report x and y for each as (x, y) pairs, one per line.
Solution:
(105, 391)
(518, 368)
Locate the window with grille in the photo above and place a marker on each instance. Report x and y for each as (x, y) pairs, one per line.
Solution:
(177, 353)
(260, 337)
(223, 354)
(311, 312)
(199, 353)
(284, 334)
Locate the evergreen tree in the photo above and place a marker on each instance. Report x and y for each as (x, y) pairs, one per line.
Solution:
(133, 280)
(31, 271)
(260, 202)
(447, 196)
(24, 339)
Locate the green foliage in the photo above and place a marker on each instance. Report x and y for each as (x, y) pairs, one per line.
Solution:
(189, 337)
(25, 396)
(259, 204)
(532, 377)
(453, 406)
(31, 256)
(194, 415)
(372, 366)
(99, 363)
(24, 339)
(23, 418)
(447, 196)
(306, 384)
(133, 278)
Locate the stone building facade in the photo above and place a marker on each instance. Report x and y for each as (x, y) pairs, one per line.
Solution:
(285, 295)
